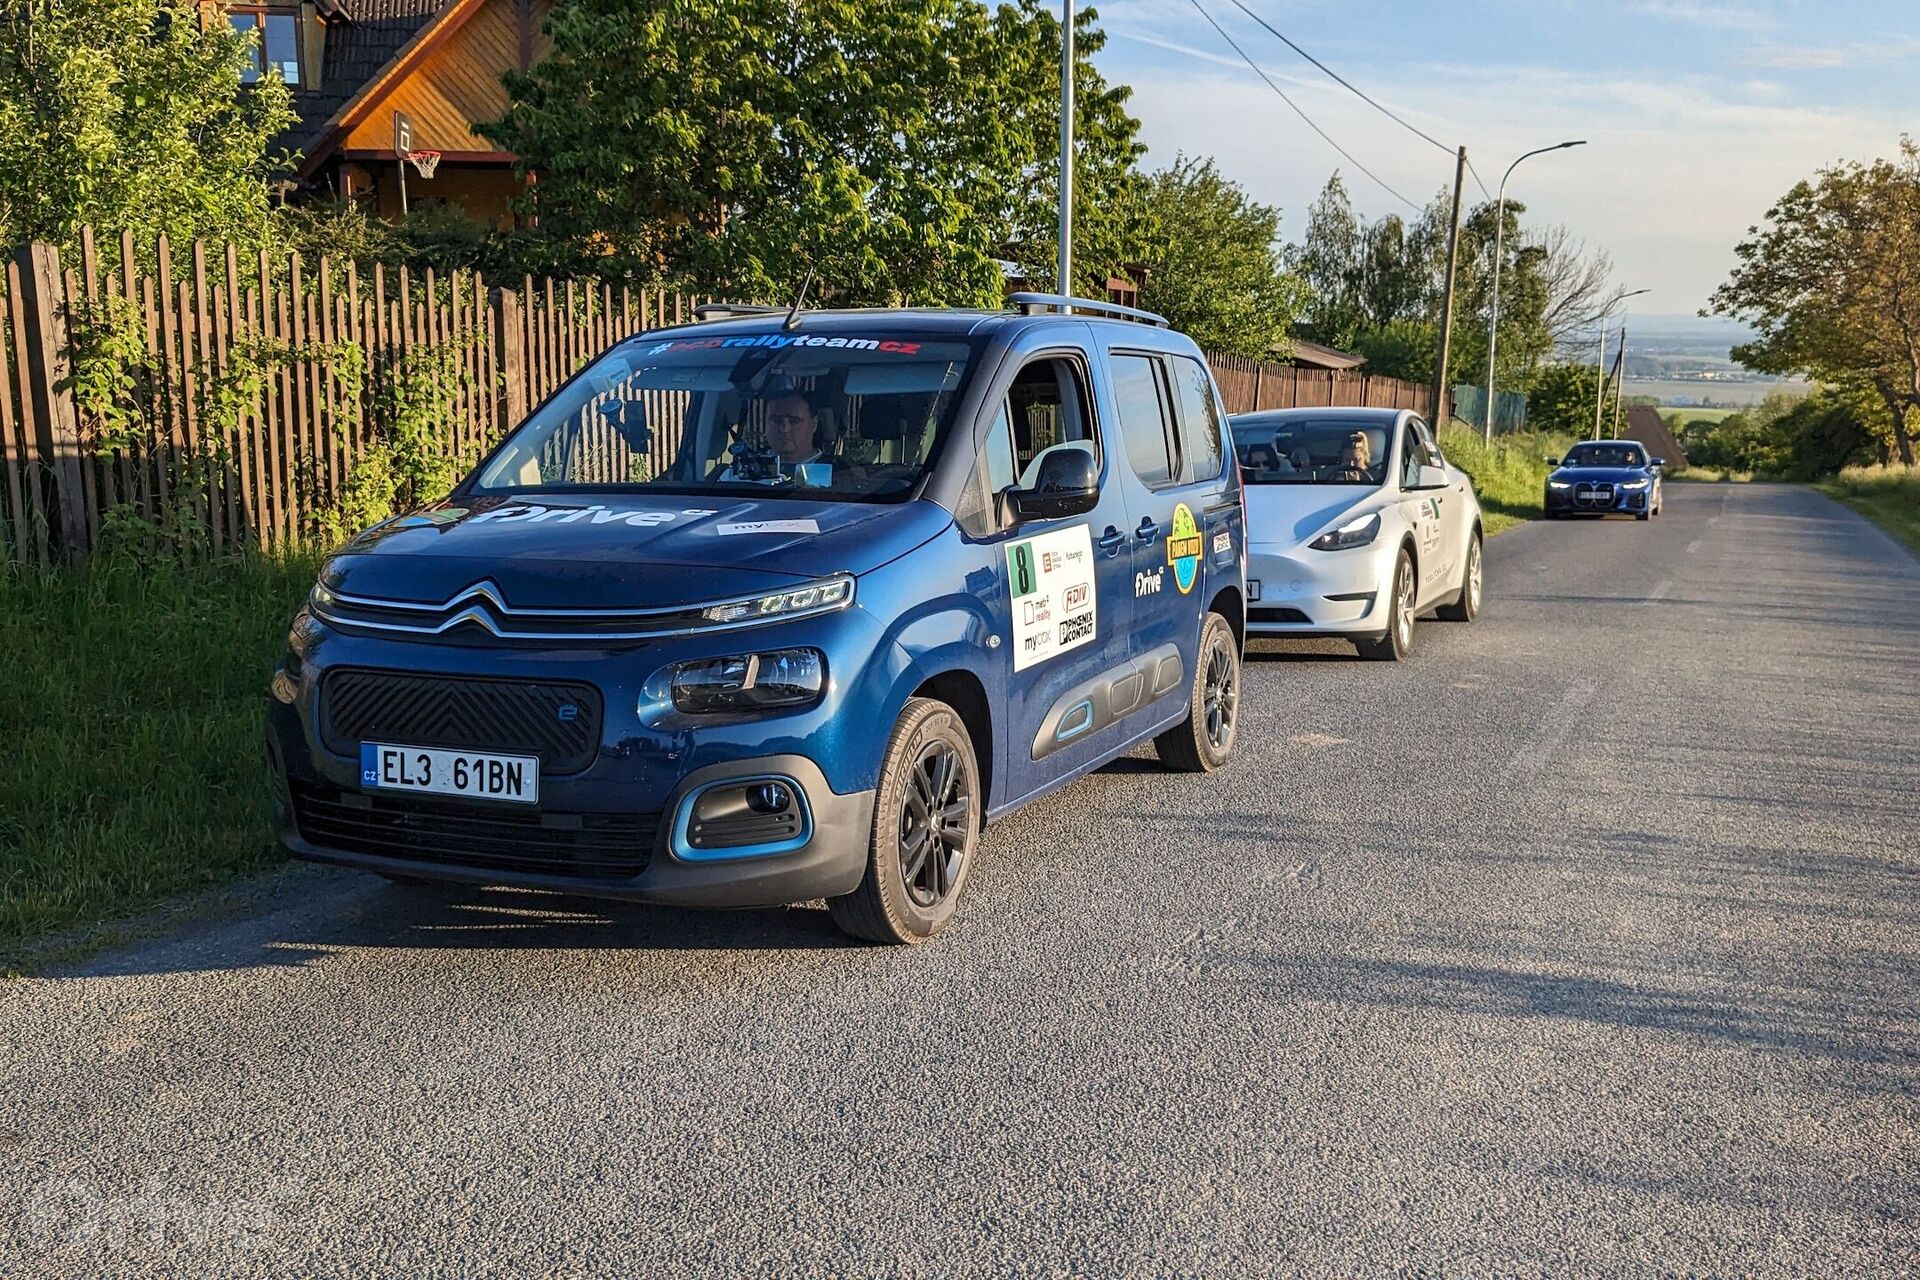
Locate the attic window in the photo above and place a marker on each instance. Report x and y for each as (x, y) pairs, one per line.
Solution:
(277, 46)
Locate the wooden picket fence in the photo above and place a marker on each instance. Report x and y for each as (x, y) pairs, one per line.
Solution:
(232, 395)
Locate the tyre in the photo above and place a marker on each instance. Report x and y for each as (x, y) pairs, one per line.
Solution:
(1643, 515)
(1398, 640)
(926, 825)
(1202, 742)
(1472, 582)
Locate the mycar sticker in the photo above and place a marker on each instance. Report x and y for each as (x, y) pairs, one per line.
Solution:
(1183, 548)
(1054, 603)
(739, 527)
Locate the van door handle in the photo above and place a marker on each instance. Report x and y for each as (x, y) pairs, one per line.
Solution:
(1110, 540)
(1148, 530)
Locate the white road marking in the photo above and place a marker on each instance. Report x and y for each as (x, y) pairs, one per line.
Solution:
(1694, 545)
(1659, 593)
(1534, 753)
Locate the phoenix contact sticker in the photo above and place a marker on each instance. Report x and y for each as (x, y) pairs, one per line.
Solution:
(1054, 603)
(1183, 548)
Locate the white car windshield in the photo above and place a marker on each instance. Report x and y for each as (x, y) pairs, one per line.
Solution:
(1292, 450)
(852, 416)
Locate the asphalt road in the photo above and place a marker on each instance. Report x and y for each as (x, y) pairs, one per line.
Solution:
(1583, 943)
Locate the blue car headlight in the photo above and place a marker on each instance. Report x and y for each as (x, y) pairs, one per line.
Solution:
(1354, 533)
(747, 682)
(1633, 484)
(824, 596)
(1559, 484)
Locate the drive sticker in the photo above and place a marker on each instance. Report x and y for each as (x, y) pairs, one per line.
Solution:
(533, 513)
(1054, 602)
(1183, 548)
(766, 526)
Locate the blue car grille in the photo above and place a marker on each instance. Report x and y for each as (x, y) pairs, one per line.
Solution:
(557, 721)
(484, 837)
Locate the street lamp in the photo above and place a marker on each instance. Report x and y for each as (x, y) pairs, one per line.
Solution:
(1499, 234)
(1600, 368)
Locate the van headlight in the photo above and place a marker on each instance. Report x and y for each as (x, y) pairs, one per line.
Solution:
(823, 596)
(1354, 533)
(779, 678)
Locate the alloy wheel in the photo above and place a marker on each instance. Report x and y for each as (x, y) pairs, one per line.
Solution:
(1403, 609)
(936, 813)
(1221, 696)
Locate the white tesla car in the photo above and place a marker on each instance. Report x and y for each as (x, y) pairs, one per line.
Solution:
(1356, 525)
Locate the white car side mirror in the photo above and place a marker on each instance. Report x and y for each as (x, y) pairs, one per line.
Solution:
(1431, 478)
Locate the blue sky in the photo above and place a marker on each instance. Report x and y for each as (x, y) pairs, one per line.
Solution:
(1698, 113)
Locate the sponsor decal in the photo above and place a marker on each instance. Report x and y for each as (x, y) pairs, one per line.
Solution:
(1055, 606)
(1148, 584)
(534, 513)
(1183, 548)
(740, 527)
(780, 341)
(1222, 542)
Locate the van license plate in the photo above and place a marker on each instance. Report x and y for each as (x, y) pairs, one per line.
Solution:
(471, 775)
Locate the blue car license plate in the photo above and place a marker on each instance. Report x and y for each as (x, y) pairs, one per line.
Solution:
(474, 775)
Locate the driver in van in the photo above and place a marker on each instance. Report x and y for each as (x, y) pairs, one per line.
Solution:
(789, 427)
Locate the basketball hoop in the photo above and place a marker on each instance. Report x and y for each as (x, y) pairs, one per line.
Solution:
(425, 161)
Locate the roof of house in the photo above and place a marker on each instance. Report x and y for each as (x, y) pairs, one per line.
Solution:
(1312, 355)
(1649, 426)
(372, 34)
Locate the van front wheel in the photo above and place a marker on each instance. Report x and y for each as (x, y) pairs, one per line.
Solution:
(926, 823)
(1202, 742)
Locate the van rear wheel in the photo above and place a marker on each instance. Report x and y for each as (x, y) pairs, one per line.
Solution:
(1202, 742)
(926, 825)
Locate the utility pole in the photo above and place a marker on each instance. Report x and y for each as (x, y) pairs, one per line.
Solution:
(1438, 414)
(1620, 379)
(1064, 282)
(1600, 379)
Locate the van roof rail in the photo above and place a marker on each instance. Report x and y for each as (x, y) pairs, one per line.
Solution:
(1034, 303)
(721, 310)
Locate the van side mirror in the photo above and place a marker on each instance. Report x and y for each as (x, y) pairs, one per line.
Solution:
(1066, 485)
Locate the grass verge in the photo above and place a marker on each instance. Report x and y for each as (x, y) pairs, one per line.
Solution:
(133, 695)
(1509, 475)
(1888, 496)
(1710, 475)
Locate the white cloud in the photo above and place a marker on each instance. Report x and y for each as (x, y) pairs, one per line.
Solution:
(1726, 17)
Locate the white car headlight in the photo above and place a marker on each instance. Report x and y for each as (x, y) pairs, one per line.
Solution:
(1354, 533)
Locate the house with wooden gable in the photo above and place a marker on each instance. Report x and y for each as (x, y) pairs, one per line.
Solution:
(374, 79)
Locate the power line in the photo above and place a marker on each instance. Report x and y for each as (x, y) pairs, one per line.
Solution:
(1343, 81)
(1476, 181)
(1296, 108)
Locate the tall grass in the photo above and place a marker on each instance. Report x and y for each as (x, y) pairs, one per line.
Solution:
(1888, 496)
(131, 695)
(1509, 475)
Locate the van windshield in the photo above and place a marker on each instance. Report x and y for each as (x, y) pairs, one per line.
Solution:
(853, 416)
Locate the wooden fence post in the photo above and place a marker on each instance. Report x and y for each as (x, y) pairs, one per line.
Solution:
(49, 358)
(510, 340)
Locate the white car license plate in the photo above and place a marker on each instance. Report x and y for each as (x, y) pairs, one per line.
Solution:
(472, 775)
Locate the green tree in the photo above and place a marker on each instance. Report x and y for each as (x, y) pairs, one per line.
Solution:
(1561, 400)
(1214, 266)
(896, 148)
(1831, 282)
(1327, 259)
(131, 116)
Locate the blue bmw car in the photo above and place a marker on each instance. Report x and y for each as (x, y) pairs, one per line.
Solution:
(1602, 478)
(774, 608)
